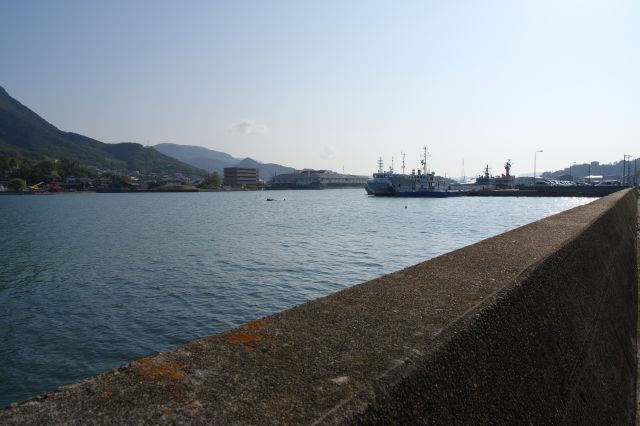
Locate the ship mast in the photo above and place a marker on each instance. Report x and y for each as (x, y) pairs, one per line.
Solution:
(424, 160)
(403, 154)
(380, 165)
(507, 167)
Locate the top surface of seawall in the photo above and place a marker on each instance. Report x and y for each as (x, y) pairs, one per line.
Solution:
(347, 357)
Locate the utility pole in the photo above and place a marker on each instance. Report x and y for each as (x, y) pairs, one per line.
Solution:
(534, 166)
(626, 171)
(571, 174)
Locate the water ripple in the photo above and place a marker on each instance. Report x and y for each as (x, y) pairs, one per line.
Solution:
(109, 278)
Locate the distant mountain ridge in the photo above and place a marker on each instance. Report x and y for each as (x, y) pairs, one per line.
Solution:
(24, 134)
(197, 156)
(211, 160)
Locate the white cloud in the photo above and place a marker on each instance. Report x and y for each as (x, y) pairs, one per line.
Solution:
(327, 153)
(250, 127)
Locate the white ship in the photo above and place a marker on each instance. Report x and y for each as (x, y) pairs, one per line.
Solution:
(420, 183)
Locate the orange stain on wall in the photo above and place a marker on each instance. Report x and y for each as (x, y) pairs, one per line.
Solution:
(257, 325)
(243, 338)
(151, 368)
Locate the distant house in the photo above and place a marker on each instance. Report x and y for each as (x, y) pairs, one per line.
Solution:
(592, 179)
(239, 177)
(103, 182)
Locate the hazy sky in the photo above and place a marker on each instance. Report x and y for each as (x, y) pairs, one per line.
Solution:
(333, 84)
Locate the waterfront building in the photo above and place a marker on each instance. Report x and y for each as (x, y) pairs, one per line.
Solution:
(316, 179)
(240, 177)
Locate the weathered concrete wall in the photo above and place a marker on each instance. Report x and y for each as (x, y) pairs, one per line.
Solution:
(535, 325)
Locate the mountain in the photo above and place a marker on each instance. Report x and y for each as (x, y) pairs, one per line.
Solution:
(216, 161)
(198, 156)
(267, 170)
(24, 134)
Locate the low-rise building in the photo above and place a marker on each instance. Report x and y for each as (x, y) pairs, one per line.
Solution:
(240, 177)
(316, 179)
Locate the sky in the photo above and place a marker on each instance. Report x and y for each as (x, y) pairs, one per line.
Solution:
(338, 84)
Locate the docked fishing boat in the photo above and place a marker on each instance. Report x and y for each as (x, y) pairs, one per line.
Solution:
(486, 181)
(381, 182)
(420, 183)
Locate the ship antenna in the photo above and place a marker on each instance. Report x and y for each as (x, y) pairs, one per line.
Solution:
(403, 154)
(463, 176)
(391, 168)
(424, 160)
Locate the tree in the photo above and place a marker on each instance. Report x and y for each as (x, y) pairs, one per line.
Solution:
(17, 184)
(212, 181)
(5, 165)
(42, 170)
(24, 169)
(54, 176)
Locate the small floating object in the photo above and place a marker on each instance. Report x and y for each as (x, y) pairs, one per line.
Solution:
(271, 199)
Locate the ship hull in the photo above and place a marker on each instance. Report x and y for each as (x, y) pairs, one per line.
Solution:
(379, 187)
(429, 194)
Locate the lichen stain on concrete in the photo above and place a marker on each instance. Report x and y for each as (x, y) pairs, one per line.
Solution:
(151, 368)
(340, 380)
(244, 338)
(347, 358)
(257, 325)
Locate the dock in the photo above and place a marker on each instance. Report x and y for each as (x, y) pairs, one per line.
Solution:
(549, 191)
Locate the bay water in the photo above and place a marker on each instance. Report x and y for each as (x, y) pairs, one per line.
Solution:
(89, 282)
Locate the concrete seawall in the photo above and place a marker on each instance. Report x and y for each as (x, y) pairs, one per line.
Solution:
(536, 325)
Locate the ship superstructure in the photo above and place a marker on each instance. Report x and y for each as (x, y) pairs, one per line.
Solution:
(486, 181)
(419, 183)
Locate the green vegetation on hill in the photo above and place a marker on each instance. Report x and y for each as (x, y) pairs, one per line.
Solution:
(43, 170)
(25, 136)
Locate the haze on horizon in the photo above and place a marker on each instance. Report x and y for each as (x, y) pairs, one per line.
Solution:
(338, 84)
